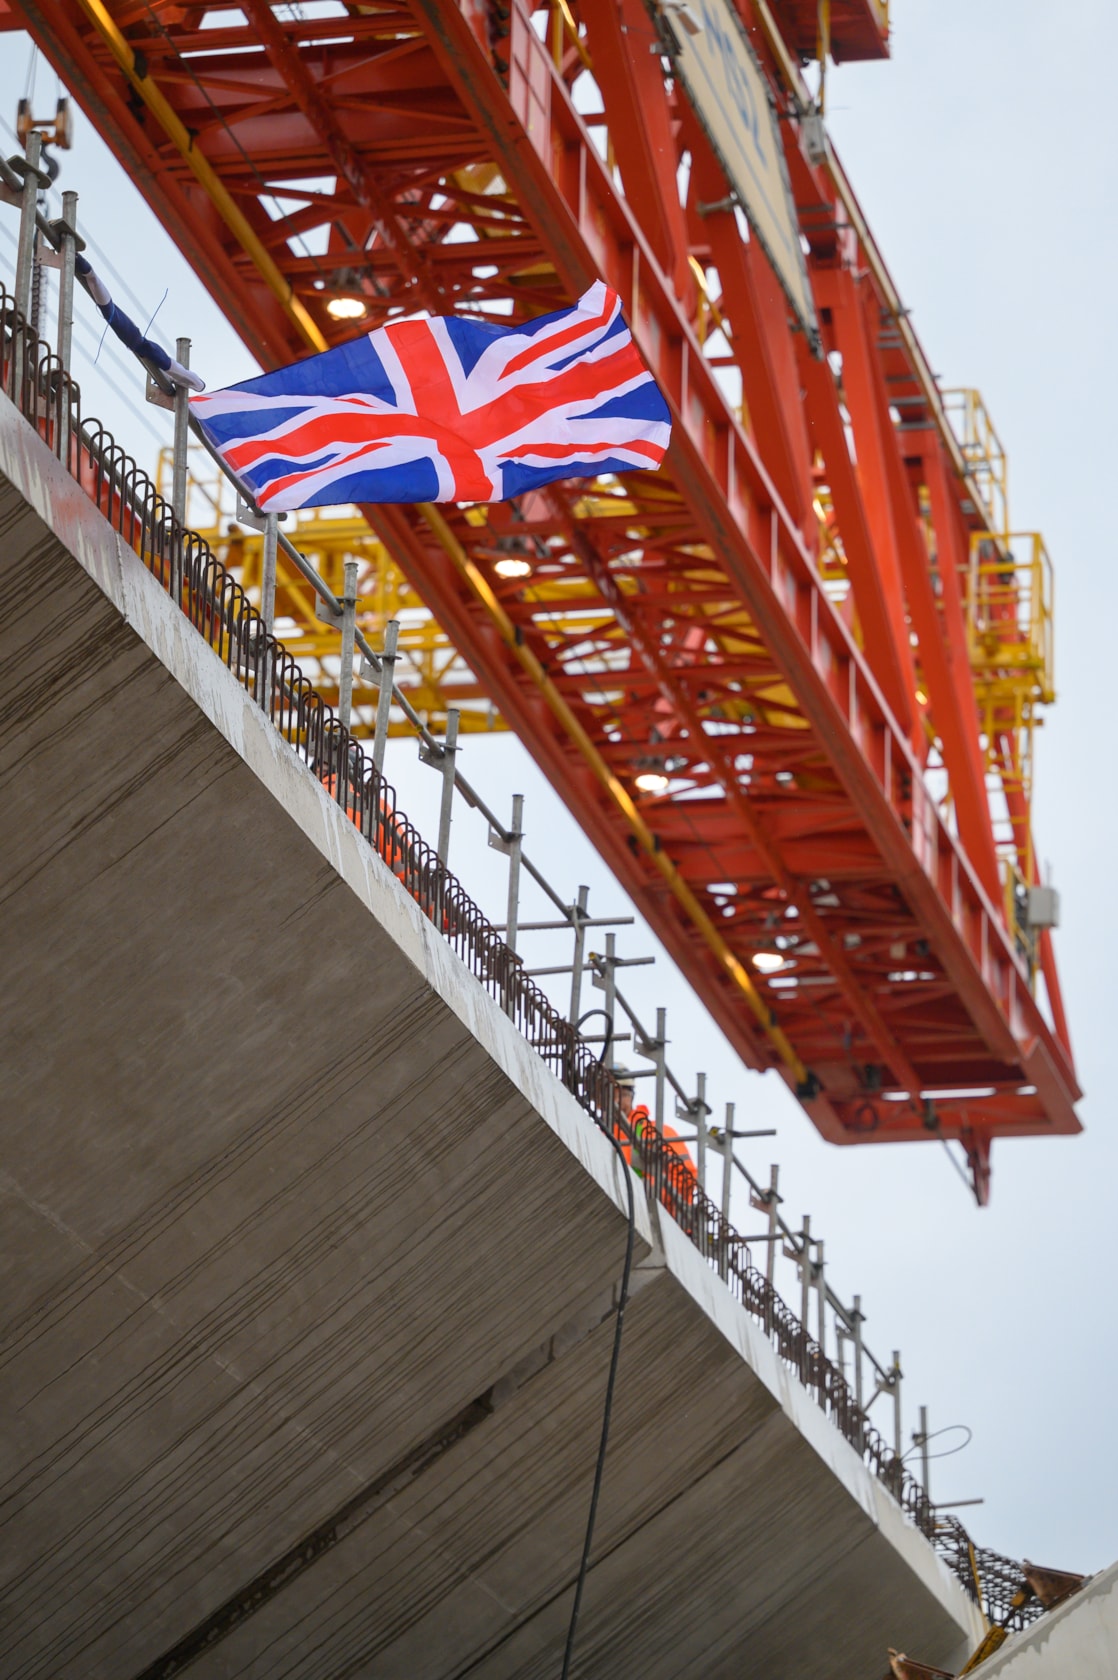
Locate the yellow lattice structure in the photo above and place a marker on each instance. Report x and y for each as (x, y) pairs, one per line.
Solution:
(429, 669)
(1007, 598)
(984, 454)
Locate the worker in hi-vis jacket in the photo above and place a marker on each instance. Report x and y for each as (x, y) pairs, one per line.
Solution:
(679, 1181)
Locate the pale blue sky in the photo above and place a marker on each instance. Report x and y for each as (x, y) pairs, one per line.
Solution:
(983, 157)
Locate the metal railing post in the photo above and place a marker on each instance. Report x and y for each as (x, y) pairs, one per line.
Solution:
(773, 1201)
(68, 250)
(449, 752)
(727, 1160)
(821, 1299)
(659, 1064)
(858, 1319)
(349, 631)
(179, 471)
(511, 843)
(727, 1171)
(384, 693)
(609, 984)
(898, 1442)
(920, 1439)
(578, 921)
(264, 654)
(268, 575)
(701, 1128)
(29, 204)
(181, 437)
(515, 842)
(804, 1262)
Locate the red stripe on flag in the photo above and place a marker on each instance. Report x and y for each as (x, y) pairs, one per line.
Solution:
(576, 451)
(545, 345)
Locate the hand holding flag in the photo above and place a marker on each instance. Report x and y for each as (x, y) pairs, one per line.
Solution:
(446, 409)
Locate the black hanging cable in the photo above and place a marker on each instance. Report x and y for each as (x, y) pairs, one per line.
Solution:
(622, 1298)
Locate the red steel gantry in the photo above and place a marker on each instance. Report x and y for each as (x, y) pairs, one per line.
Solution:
(811, 635)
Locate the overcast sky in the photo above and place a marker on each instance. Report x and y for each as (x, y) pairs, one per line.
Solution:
(983, 156)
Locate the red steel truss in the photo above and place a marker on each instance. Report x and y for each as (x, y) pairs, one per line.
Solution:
(775, 622)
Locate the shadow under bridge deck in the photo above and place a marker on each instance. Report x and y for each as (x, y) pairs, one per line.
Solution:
(311, 1263)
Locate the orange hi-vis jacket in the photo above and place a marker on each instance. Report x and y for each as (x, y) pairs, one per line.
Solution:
(400, 866)
(352, 810)
(640, 1122)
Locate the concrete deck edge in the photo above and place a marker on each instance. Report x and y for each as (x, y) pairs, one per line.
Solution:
(808, 1418)
(120, 574)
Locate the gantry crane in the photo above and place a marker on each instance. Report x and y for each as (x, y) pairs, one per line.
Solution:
(789, 683)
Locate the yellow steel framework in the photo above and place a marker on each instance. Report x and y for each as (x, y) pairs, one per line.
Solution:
(429, 669)
(431, 672)
(983, 453)
(1007, 597)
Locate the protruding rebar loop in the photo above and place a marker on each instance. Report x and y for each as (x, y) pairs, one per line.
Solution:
(384, 691)
(446, 807)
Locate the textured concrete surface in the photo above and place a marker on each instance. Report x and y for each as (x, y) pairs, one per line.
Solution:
(1076, 1641)
(309, 1263)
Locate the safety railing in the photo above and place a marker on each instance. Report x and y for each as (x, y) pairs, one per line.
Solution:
(36, 381)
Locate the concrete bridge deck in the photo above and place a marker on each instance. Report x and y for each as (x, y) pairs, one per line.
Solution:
(309, 1262)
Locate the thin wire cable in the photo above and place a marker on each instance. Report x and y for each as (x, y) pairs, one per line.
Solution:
(155, 311)
(946, 1430)
(622, 1298)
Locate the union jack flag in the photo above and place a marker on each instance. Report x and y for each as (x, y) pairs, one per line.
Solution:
(445, 409)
